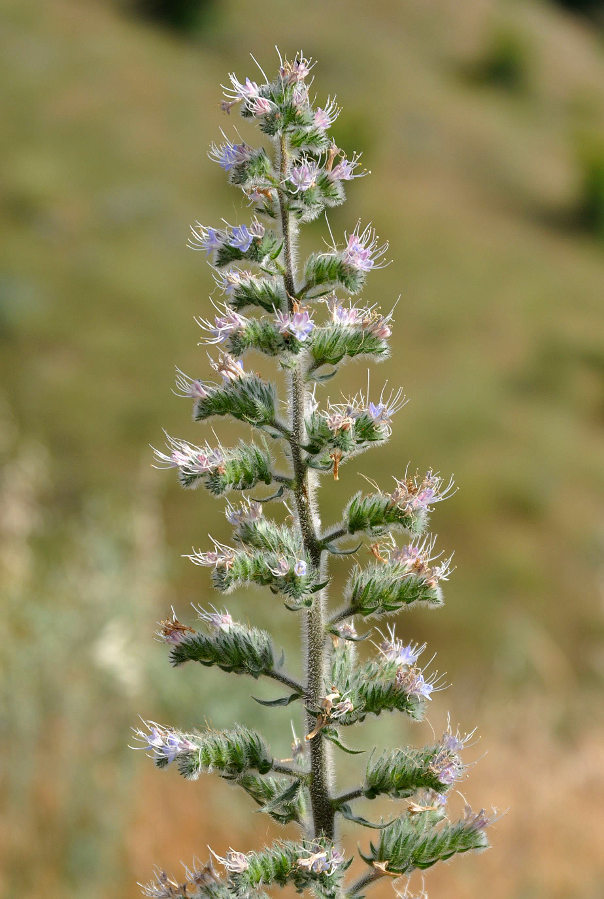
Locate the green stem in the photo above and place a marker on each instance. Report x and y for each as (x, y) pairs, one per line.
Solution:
(323, 815)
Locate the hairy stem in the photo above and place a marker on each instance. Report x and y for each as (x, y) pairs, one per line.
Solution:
(323, 814)
(288, 681)
(347, 797)
(364, 881)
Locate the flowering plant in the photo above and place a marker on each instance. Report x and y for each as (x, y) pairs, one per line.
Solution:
(300, 318)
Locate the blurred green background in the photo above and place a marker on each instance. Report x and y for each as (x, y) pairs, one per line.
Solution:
(483, 124)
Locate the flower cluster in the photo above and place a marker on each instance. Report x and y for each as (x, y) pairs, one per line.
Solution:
(366, 319)
(341, 416)
(238, 237)
(324, 861)
(408, 678)
(363, 250)
(229, 155)
(188, 458)
(163, 743)
(412, 494)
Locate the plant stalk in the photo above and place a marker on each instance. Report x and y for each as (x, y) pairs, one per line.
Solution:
(323, 814)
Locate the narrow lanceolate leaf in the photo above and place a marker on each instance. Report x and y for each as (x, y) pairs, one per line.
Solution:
(238, 648)
(417, 841)
(377, 513)
(281, 701)
(242, 468)
(329, 345)
(346, 812)
(248, 399)
(380, 589)
(278, 797)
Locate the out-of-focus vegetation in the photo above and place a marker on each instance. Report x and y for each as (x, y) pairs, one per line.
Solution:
(184, 16)
(498, 343)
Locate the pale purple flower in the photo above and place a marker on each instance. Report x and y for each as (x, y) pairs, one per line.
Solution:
(417, 496)
(187, 457)
(163, 887)
(300, 568)
(240, 91)
(257, 229)
(223, 326)
(343, 315)
(229, 281)
(229, 155)
(338, 421)
(344, 170)
(294, 71)
(412, 682)
(300, 94)
(218, 621)
(344, 707)
(299, 324)
(230, 368)
(380, 328)
(190, 388)
(163, 742)
(362, 249)
(325, 861)
(260, 106)
(447, 766)
(394, 650)
(220, 557)
(326, 116)
(208, 239)
(417, 559)
(241, 238)
(248, 511)
(304, 175)
(477, 820)
(234, 862)
(457, 741)
(282, 567)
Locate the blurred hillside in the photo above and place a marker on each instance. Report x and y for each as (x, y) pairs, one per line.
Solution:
(483, 125)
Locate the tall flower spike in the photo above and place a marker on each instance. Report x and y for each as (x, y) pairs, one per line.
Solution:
(300, 438)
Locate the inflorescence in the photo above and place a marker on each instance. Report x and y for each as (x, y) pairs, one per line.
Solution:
(306, 319)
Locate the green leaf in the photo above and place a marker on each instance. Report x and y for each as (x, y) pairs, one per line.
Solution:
(320, 379)
(347, 813)
(284, 700)
(267, 499)
(331, 734)
(341, 552)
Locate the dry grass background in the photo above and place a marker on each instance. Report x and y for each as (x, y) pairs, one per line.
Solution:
(498, 344)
